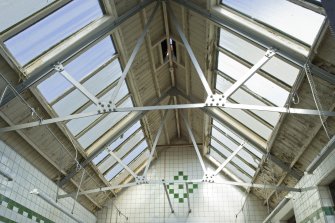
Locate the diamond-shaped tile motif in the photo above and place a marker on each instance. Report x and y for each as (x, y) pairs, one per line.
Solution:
(178, 191)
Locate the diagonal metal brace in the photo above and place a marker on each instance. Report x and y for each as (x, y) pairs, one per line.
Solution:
(194, 144)
(268, 55)
(228, 159)
(122, 164)
(60, 69)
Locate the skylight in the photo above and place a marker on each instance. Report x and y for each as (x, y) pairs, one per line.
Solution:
(235, 57)
(41, 36)
(128, 147)
(127, 160)
(9, 15)
(283, 15)
(117, 142)
(224, 142)
(269, 86)
(250, 53)
(98, 70)
(93, 58)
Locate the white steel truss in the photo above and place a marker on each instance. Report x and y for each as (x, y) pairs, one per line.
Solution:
(165, 182)
(208, 178)
(216, 100)
(213, 100)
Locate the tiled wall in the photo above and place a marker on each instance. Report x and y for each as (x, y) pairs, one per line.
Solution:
(209, 202)
(316, 205)
(18, 205)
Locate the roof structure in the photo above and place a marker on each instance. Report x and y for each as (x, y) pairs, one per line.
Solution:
(92, 90)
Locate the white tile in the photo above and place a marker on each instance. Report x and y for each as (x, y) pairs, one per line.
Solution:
(27, 177)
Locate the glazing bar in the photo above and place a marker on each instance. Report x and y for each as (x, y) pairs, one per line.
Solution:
(228, 159)
(6, 175)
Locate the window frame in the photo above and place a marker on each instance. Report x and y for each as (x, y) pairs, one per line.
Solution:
(123, 157)
(30, 21)
(242, 159)
(273, 28)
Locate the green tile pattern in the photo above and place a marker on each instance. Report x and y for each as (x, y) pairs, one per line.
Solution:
(317, 214)
(22, 210)
(178, 191)
(6, 220)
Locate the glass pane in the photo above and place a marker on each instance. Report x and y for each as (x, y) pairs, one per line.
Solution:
(94, 85)
(117, 142)
(134, 165)
(238, 173)
(283, 15)
(100, 157)
(243, 97)
(125, 136)
(252, 123)
(77, 125)
(233, 146)
(225, 152)
(79, 68)
(237, 138)
(269, 90)
(104, 125)
(130, 157)
(220, 148)
(230, 167)
(251, 53)
(12, 12)
(125, 148)
(224, 140)
(52, 29)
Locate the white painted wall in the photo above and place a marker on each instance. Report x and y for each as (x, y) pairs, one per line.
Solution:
(26, 178)
(209, 202)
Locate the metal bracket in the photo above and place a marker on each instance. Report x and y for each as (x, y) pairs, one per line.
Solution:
(141, 180)
(104, 107)
(215, 100)
(270, 52)
(209, 178)
(59, 67)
